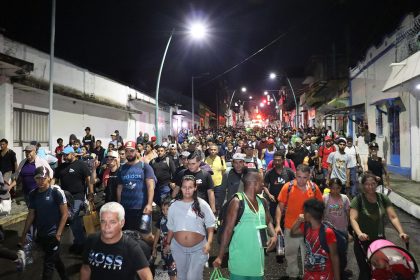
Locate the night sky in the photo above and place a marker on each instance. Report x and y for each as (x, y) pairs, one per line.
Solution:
(125, 40)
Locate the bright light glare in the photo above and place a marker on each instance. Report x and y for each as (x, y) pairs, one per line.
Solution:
(198, 31)
(265, 92)
(273, 76)
(418, 86)
(261, 104)
(236, 104)
(250, 97)
(243, 89)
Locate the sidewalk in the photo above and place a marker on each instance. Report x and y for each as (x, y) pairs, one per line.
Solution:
(17, 215)
(405, 194)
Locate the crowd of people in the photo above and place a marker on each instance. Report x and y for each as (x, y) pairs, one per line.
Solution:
(251, 187)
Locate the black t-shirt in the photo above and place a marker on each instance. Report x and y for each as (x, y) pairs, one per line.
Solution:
(116, 261)
(276, 181)
(298, 156)
(7, 162)
(203, 180)
(72, 177)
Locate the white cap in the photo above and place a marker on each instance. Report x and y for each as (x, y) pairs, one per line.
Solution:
(238, 156)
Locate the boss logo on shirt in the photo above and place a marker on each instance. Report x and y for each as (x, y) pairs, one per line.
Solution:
(113, 262)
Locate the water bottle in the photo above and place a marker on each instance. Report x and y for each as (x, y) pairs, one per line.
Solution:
(27, 248)
(280, 245)
(145, 224)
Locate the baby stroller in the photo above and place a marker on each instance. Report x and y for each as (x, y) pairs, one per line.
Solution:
(387, 261)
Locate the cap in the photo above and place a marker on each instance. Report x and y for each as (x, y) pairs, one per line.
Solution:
(113, 154)
(116, 131)
(341, 140)
(87, 128)
(298, 140)
(238, 156)
(153, 138)
(68, 150)
(185, 154)
(172, 146)
(42, 172)
(30, 148)
(113, 134)
(130, 145)
(270, 141)
(328, 138)
(373, 145)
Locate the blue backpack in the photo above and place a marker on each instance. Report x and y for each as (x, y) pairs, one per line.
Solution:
(341, 238)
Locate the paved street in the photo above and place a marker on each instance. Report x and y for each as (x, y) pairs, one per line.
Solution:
(273, 270)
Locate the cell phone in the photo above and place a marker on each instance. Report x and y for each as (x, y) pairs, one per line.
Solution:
(262, 235)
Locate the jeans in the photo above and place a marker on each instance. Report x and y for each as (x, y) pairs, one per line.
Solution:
(360, 251)
(292, 246)
(219, 196)
(76, 224)
(189, 261)
(354, 183)
(51, 247)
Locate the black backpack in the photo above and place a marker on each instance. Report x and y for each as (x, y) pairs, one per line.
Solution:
(223, 213)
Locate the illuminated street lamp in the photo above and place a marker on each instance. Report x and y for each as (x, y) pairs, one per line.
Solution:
(274, 76)
(243, 89)
(196, 31)
(250, 97)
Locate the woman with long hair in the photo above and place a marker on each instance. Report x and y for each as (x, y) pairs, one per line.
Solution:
(367, 217)
(149, 152)
(190, 220)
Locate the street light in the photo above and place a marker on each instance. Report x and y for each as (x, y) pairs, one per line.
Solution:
(196, 31)
(274, 76)
(192, 92)
(243, 89)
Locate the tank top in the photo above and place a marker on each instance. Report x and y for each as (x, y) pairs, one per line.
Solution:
(245, 242)
(375, 166)
(268, 156)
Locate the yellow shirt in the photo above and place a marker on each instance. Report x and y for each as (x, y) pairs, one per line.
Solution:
(218, 169)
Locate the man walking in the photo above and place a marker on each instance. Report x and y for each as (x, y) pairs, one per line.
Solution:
(89, 140)
(135, 190)
(339, 164)
(111, 254)
(232, 180)
(74, 177)
(218, 166)
(164, 169)
(8, 161)
(48, 208)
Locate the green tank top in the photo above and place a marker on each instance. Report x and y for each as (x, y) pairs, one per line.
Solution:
(246, 255)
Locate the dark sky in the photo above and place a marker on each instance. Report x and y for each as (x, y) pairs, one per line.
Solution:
(125, 39)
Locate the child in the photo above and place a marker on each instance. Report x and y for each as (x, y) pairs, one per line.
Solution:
(161, 234)
(318, 263)
(337, 206)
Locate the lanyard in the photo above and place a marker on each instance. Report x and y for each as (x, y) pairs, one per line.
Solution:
(253, 208)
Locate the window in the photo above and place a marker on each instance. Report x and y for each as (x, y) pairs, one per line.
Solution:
(379, 122)
(29, 126)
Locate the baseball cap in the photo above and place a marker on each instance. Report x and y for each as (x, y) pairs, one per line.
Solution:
(341, 140)
(30, 148)
(328, 138)
(113, 154)
(238, 156)
(153, 138)
(68, 150)
(42, 172)
(113, 134)
(374, 145)
(185, 154)
(270, 141)
(130, 145)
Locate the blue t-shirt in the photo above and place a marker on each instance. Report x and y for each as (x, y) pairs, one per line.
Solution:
(27, 175)
(132, 178)
(47, 209)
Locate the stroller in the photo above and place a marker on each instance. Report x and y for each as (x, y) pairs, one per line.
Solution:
(389, 262)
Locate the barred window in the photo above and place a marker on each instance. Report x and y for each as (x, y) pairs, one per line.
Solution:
(29, 126)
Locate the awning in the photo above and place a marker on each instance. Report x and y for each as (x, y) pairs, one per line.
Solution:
(350, 110)
(403, 71)
(12, 67)
(390, 102)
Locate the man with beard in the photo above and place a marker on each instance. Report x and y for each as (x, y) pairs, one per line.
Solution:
(74, 176)
(173, 154)
(164, 168)
(135, 190)
(339, 164)
(274, 180)
(298, 153)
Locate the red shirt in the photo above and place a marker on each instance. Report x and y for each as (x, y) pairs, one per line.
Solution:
(324, 152)
(317, 261)
(58, 151)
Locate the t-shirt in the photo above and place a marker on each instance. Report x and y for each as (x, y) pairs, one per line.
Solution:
(336, 211)
(72, 176)
(120, 260)
(110, 182)
(47, 209)
(218, 168)
(134, 189)
(324, 152)
(253, 163)
(317, 261)
(371, 215)
(27, 176)
(353, 151)
(202, 179)
(8, 161)
(339, 162)
(275, 181)
(296, 199)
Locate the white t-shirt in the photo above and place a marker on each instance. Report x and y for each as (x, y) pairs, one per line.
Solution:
(352, 152)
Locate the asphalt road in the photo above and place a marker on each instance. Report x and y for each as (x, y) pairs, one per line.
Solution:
(273, 269)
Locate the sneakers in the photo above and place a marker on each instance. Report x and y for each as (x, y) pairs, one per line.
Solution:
(21, 260)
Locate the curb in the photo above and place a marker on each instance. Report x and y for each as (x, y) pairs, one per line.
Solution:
(404, 204)
(13, 219)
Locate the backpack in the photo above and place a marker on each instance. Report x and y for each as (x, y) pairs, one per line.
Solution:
(223, 213)
(341, 238)
(69, 199)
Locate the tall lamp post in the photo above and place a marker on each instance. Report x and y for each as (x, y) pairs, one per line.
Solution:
(197, 31)
(192, 95)
(274, 76)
